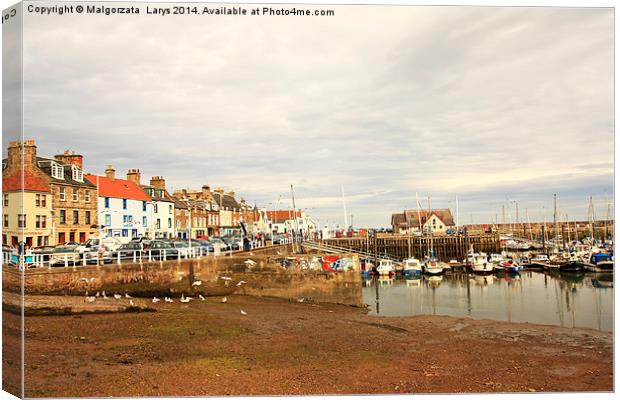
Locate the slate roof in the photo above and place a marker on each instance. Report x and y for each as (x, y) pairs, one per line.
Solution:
(45, 164)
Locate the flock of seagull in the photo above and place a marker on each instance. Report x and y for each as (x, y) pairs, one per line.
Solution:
(183, 299)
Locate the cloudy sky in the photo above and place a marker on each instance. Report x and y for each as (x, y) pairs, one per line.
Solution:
(495, 105)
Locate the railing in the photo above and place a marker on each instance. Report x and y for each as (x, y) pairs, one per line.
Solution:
(329, 248)
(35, 260)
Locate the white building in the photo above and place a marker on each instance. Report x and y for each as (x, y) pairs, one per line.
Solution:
(124, 210)
(163, 207)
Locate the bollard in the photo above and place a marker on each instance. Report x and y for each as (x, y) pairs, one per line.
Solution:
(118, 257)
(66, 261)
(134, 256)
(84, 259)
(179, 256)
(164, 254)
(150, 257)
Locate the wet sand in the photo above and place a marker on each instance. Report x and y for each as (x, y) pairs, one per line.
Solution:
(291, 348)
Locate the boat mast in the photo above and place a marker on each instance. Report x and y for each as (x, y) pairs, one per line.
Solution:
(555, 221)
(344, 206)
(419, 221)
(428, 219)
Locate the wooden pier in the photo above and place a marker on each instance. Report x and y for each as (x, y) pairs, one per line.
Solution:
(403, 246)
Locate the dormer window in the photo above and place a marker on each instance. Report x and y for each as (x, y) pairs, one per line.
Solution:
(57, 171)
(77, 173)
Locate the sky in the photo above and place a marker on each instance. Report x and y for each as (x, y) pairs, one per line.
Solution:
(496, 105)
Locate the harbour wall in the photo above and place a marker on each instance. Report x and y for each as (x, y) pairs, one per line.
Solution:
(263, 276)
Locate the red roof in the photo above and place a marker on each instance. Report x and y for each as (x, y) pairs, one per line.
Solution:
(13, 181)
(118, 188)
(282, 214)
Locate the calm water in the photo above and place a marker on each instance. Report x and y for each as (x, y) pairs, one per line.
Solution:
(567, 299)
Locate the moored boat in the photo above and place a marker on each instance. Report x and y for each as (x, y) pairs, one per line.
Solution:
(386, 267)
(432, 266)
(412, 266)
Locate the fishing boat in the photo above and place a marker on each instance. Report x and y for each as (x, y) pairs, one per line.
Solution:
(432, 266)
(386, 267)
(540, 261)
(412, 266)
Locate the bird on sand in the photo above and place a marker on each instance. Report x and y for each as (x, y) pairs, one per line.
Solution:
(155, 300)
(90, 299)
(185, 299)
(103, 295)
(243, 313)
(224, 299)
(127, 296)
(131, 303)
(202, 298)
(301, 300)
(225, 278)
(197, 283)
(250, 262)
(168, 300)
(241, 283)
(97, 294)
(117, 296)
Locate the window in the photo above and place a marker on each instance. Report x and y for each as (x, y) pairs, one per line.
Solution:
(75, 194)
(155, 208)
(124, 204)
(21, 221)
(125, 232)
(6, 200)
(169, 222)
(144, 221)
(37, 200)
(144, 206)
(157, 224)
(77, 173)
(76, 217)
(127, 219)
(170, 209)
(87, 217)
(63, 217)
(108, 220)
(6, 221)
(106, 202)
(62, 194)
(43, 221)
(87, 196)
(44, 201)
(57, 171)
(37, 221)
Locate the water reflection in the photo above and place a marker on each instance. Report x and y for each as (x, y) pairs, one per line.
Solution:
(564, 299)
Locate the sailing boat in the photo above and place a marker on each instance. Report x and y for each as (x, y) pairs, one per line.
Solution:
(431, 264)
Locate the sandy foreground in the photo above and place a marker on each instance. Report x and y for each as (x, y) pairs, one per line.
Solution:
(291, 348)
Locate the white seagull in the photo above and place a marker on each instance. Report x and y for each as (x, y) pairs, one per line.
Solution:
(225, 278)
(117, 296)
(155, 300)
(185, 299)
(90, 299)
(301, 300)
(202, 298)
(127, 296)
(224, 300)
(241, 283)
(131, 303)
(250, 262)
(168, 300)
(103, 295)
(97, 294)
(243, 313)
(197, 283)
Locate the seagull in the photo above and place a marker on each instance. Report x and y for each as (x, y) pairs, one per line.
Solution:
(224, 300)
(127, 296)
(117, 296)
(155, 300)
(197, 283)
(225, 278)
(301, 300)
(279, 252)
(241, 283)
(168, 300)
(90, 299)
(97, 294)
(226, 283)
(103, 295)
(131, 303)
(202, 298)
(250, 262)
(185, 299)
(243, 313)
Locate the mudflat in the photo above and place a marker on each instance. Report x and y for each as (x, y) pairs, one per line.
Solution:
(289, 348)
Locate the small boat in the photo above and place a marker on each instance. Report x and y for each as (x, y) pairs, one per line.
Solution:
(510, 266)
(432, 266)
(599, 262)
(386, 267)
(480, 264)
(412, 266)
(540, 261)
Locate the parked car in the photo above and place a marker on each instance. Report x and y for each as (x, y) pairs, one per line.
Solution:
(111, 243)
(94, 253)
(232, 243)
(160, 249)
(206, 245)
(182, 247)
(223, 244)
(128, 250)
(62, 254)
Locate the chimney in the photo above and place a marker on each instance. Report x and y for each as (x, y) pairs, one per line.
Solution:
(69, 157)
(133, 175)
(158, 182)
(17, 148)
(206, 191)
(110, 172)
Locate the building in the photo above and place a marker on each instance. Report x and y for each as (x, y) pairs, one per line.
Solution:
(230, 212)
(161, 220)
(181, 218)
(125, 211)
(201, 217)
(59, 204)
(287, 221)
(436, 221)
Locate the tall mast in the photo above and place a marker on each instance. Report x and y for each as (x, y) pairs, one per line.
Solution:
(344, 206)
(555, 219)
(419, 221)
(457, 214)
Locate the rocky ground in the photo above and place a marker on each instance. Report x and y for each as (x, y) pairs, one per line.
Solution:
(285, 348)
